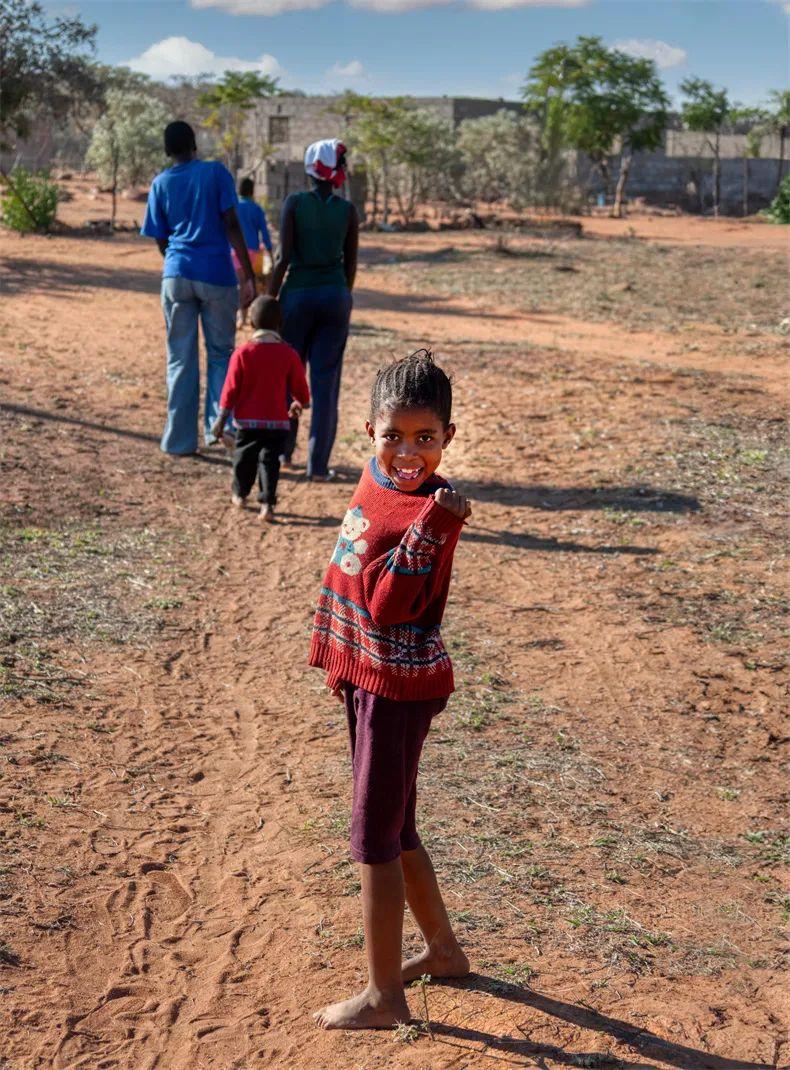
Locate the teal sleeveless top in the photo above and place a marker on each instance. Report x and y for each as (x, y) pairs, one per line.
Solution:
(320, 229)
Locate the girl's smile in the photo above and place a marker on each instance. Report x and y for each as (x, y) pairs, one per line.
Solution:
(408, 444)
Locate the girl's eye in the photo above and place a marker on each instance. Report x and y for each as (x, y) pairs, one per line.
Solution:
(426, 438)
(390, 438)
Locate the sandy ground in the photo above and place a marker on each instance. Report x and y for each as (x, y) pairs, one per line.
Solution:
(603, 797)
(693, 230)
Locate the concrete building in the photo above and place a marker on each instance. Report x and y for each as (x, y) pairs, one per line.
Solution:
(279, 129)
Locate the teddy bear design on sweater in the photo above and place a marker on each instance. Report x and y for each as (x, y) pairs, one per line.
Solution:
(350, 546)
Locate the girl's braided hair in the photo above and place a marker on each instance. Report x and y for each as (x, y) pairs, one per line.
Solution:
(415, 382)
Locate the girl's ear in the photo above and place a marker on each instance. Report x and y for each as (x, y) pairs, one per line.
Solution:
(449, 435)
(371, 430)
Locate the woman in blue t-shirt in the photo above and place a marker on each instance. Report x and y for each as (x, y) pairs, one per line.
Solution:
(192, 215)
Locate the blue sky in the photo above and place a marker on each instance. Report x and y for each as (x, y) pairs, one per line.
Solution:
(431, 47)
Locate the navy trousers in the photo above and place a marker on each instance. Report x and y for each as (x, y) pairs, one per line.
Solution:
(315, 323)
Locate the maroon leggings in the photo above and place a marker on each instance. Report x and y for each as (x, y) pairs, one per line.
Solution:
(386, 741)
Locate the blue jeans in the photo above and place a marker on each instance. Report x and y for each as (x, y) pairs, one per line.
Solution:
(315, 323)
(184, 302)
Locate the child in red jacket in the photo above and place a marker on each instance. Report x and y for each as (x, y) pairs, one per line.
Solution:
(376, 634)
(261, 375)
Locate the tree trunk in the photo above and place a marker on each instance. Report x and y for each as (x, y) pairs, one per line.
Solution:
(781, 165)
(746, 185)
(374, 195)
(385, 193)
(622, 179)
(114, 192)
(603, 167)
(716, 177)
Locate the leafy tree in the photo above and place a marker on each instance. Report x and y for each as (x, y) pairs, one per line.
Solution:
(408, 153)
(372, 126)
(497, 154)
(228, 102)
(707, 111)
(426, 159)
(44, 64)
(545, 100)
(126, 146)
(599, 99)
(43, 67)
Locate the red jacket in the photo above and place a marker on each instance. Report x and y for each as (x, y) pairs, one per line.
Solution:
(383, 597)
(260, 375)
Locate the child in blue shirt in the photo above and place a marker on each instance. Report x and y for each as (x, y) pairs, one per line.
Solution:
(255, 230)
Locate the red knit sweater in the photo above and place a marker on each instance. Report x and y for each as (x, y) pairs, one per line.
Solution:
(383, 597)
(260, 374)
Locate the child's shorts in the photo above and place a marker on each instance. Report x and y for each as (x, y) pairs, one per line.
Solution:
(256, 260)
(386, 741)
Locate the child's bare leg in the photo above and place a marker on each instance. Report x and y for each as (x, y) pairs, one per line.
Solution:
(442, 956)
(382, 1004)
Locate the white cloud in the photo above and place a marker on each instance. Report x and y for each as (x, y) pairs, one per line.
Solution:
(260, 7)
(278, 7)
(664, 55)
(177, 56)
(500, 5)
(352, 70)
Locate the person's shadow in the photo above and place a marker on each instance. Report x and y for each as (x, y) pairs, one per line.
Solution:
(647, 1044)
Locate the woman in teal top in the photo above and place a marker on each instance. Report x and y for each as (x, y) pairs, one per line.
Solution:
(319, 235)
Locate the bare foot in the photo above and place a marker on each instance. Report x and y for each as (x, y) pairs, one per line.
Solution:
(368, 1010)
(238, 501)
(267, 513)
(438, 962)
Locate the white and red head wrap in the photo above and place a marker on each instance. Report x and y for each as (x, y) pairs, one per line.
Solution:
(325, 160)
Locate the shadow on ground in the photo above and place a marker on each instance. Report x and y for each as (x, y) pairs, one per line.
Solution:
(626, 498)
(649, 1045)
(106, 429)
(433, 304)
(473, 533)
(20, 275)
(636, 498)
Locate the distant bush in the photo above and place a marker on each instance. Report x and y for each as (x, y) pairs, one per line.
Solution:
(30, 201)
(779, 209)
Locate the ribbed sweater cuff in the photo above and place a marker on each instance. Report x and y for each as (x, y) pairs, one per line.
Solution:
(437, 520)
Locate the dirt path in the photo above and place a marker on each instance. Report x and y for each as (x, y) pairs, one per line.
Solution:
(603, 797)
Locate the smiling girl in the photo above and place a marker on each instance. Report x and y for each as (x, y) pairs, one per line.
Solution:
(376, 634)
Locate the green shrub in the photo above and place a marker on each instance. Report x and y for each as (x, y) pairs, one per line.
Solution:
(779, 210)
(35, 191)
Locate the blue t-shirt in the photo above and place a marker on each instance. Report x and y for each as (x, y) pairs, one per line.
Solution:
(253, 223)
(185, 205)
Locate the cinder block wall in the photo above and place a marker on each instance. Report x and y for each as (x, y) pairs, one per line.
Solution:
(280, 128)
(687, 181)
(679, 173)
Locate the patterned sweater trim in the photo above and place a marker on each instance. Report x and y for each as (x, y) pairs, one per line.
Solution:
(382, 600)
